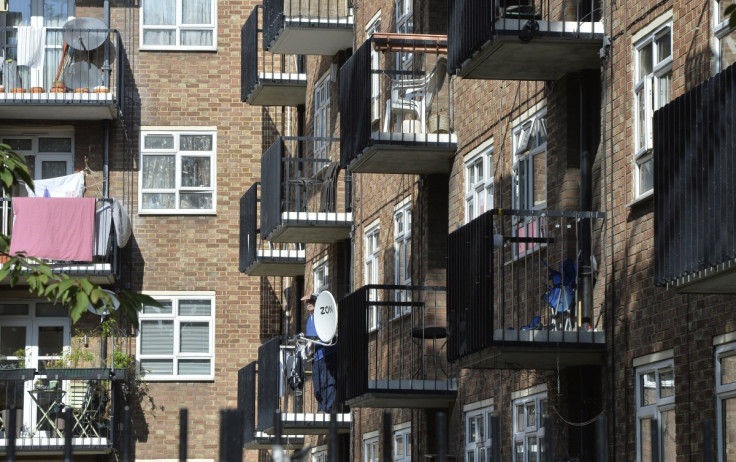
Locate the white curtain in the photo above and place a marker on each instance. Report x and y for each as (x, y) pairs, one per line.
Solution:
(163, 13)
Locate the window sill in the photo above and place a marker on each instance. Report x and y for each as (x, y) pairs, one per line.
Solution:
(641, 199)
(176, 212)
(178, 48)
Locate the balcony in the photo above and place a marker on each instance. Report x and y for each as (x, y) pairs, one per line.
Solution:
(302, 197)
(247, 392)
(507, 309)
(392, 350)
(296, 406)
(61, 74)
(694, 218)
(258, 257)
(269, 79)
(76, 237)
(523, 39)
(307, 27)
(395, 106)
(42, 405)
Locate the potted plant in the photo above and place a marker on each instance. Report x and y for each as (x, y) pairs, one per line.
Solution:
(75, 363)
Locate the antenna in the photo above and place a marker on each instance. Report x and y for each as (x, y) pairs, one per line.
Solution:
(106, 310)
(325, 316)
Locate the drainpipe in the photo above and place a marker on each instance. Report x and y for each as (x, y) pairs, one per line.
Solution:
(106, 61)
(106, 159)
(586, 188)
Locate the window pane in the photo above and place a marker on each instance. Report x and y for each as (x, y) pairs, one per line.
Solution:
(641, 118)
(519, 418)
(194, 337)
(540, 179)
(166, 308)
(158, 366)
(399, 444)
(664, 47)
(531, 415)
(645, 61)
(729, 428)
(50, 310)
(195, 172)
(19, 144)
(50, 340)
(646, 176)
(194, 367)
(645, 436)
(728, 369)
(727, 45)
(668, 435)
(159, 12)
(158, 142)
(195, 200)
(519, 452)
(195, 307)
(157, 337)
(533, 449)
(195, 143)
(55, 145)
(196, 11)
(666, 384)
(159, 37)
(53, 169)
(159, 201)
(664, 87)
(13, 309)
(159, 172)
(12, 338)
(648, 389)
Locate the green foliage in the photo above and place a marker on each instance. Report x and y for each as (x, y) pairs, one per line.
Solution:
(730, 11)
(12, 169)
(22, 355)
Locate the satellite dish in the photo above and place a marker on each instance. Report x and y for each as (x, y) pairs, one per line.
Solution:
(82, 75)
(85, 33)
(106, 310)
(325, 316)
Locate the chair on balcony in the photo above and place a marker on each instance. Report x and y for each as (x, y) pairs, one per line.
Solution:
(413, 97)
(89, 410)
(560, 296)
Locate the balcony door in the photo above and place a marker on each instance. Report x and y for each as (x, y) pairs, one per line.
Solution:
(43, 331)
(35, 43)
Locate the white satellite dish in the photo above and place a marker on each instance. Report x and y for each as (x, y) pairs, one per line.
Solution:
(325, 316)
(106, 310)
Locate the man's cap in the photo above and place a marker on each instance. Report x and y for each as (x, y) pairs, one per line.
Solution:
(312, 297)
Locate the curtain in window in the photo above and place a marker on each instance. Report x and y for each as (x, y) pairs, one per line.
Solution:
(159, 172)
(159, 13)
(157, 337)
(196, 12)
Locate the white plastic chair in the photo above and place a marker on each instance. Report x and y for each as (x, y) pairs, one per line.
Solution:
(414, 96)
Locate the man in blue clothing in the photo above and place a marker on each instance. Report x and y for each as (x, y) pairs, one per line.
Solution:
(325, 362)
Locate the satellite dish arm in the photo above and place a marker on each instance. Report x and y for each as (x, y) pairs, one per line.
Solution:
(301, 338)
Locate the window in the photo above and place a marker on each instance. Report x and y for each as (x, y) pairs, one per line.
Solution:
(530, 178)
(321, 276)
(36, 69)
(404, 25)
(652, 87)
(528, 418)
(725, 52)
(478, 434)
(402, 254)
(370, 447)
(655, 399)
(175, 341)
(726, 405)
(374, 25)
(372, 263)
(177, 171)
(479, 183)
(402, 442)
(178, 25)
(319, 454)
(322, 117)
(49, 156)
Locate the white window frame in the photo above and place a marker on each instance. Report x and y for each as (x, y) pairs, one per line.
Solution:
(724, 392)
(648, 97)
(529, 431)
(655, 410)
(320, 272)
(177, 132)
(319, 454)
(479, 182)
(529, 141)
(404, 25)
(371, 451)
(720, 32)
(322, 117)
(175, 298)
(374, 26)
(35, 151)
(179, 27)
(402, 452)
(402, 254)
(478, 446)
(372, 246)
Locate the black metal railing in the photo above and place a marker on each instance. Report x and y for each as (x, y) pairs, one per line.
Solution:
(694, 218)
(105, 248)
(511, 271)
(394, 89)
(391, 338)
(472, 23)
(74, 66)
(247, 400)
(264, 66)
(301, 185)
(269, 382)
(303, 13)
